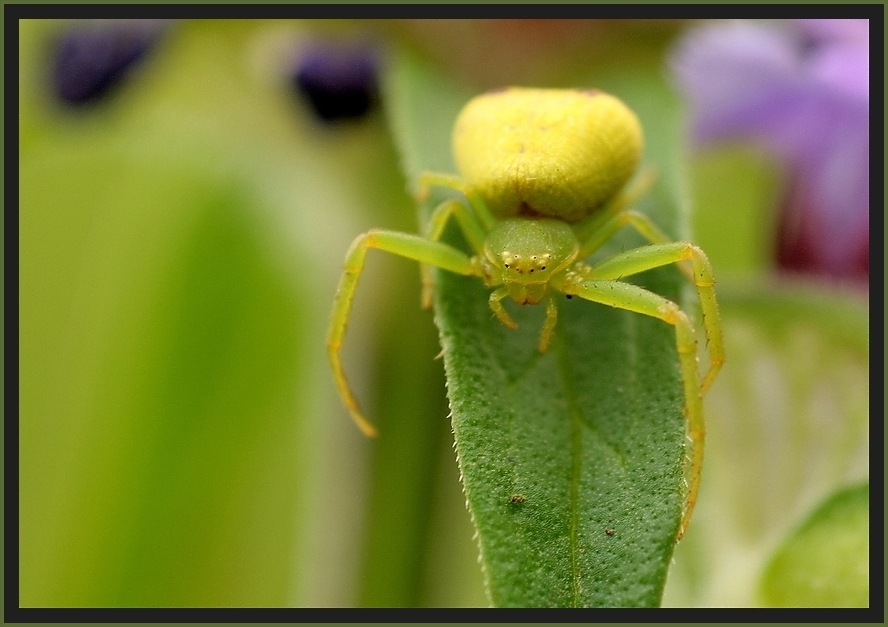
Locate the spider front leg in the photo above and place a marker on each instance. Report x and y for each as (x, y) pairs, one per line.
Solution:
(475, 219)
(427, 180)
(548, 325)
(654, 256)
(471, 228)
(599, 283)
(495, 302)
(596, 229)
(405, 245)
(634, 298)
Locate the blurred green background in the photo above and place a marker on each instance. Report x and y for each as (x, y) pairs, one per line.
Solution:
(182, 442)
(181, 439)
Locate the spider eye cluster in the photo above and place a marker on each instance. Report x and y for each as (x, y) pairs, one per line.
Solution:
(525, 264)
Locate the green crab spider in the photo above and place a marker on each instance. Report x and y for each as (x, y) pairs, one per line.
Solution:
(543, 187)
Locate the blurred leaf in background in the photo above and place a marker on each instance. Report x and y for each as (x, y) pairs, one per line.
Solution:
(778, 112)
(181, 235)
(825, 562)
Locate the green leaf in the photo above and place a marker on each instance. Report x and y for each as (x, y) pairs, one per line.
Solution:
(159, 348)
(737, 229)
(172, 303)
(787, 425)
(572, 461)
(825, 562)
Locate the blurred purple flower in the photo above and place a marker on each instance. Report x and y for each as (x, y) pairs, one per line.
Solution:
(338, 79)
(802, 89)
(90, 57)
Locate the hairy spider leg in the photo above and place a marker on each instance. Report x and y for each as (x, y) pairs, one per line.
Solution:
(496, 305)
(427, 180)
(598, 229)
(403, 244)
(633, 298)
(600, 283)
(474, 220)
(471, 228)
(549, 324)
(592, 223)
(658, 255)
(603, 234)
(496, 296)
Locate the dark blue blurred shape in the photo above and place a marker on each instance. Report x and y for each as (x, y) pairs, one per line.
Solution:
(339, 80)
(91, 57)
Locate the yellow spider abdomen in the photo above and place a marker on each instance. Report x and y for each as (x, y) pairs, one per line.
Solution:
(552, 152)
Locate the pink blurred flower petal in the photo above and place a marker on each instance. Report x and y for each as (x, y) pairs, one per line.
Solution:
(802, 89)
